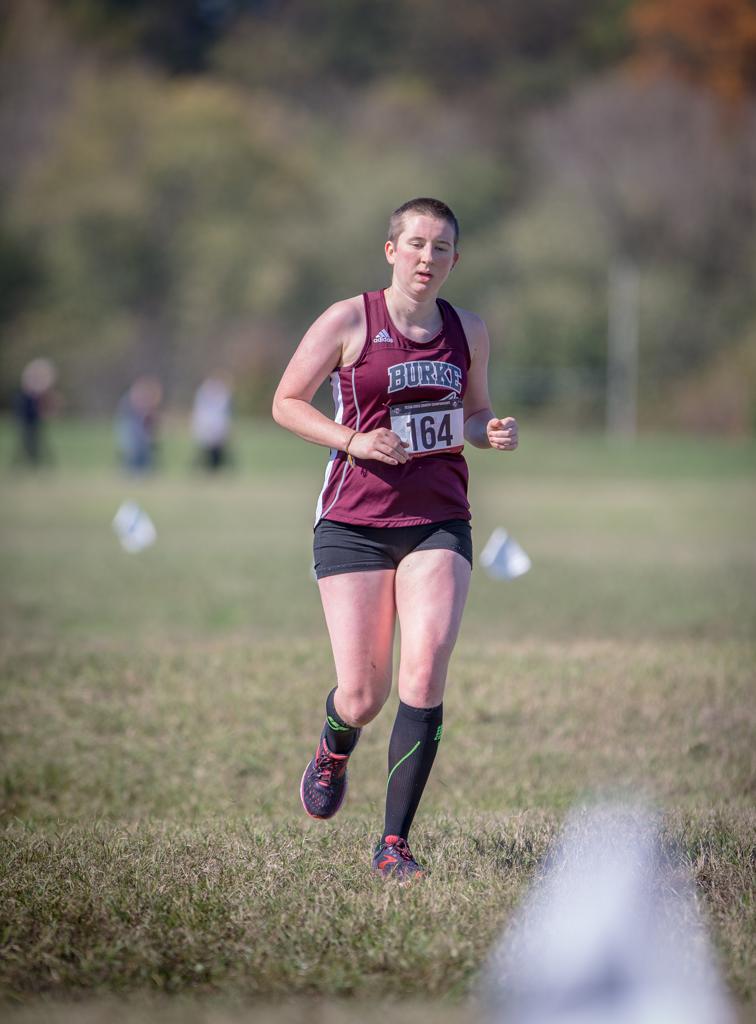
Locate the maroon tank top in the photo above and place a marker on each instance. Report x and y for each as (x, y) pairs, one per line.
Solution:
(393, 370)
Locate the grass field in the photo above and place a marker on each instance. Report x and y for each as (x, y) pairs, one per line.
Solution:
(156, 711)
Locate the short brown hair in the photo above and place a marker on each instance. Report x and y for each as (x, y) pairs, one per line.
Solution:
(430, 207)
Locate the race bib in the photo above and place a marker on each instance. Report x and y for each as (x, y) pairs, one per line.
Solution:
(430, 426)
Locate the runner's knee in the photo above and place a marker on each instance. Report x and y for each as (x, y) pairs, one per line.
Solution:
(422, 681)
(360, 705)
(423, 695)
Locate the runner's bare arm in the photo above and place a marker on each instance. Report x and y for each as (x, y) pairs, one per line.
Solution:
(334, 339)
(320, 351)
(483, 428)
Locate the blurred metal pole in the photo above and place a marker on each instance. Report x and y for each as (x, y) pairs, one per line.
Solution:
(622, 355)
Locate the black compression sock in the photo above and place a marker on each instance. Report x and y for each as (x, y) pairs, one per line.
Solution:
(340, 737)
(412, 750)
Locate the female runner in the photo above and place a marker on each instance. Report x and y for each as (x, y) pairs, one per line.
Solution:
(392, 531)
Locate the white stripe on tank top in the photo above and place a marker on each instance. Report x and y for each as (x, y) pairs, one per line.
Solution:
(338, 402)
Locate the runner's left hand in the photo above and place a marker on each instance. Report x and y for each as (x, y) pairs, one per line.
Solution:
(502, 434)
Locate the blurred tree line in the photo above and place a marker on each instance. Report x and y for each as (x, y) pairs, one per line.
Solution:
(187, 184)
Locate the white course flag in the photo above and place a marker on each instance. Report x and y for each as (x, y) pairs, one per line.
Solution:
(133, 527)
(502, 557)
(609, 934)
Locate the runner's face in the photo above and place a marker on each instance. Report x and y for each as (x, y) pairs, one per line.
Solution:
(423, 254)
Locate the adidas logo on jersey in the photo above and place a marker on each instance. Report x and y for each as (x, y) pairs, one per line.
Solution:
(382, 335)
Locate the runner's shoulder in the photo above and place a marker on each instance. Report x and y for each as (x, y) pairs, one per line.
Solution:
(345, 323)
(345, 315)
(474, 327)
(469, 319)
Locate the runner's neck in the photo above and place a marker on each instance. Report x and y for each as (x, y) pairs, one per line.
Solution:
(416, 320)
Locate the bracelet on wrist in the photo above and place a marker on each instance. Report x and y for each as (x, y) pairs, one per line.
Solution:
(350, 458)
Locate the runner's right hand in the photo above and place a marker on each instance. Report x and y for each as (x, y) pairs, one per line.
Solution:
(382, 444)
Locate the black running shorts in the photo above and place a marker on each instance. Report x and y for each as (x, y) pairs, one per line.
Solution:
(344, 547)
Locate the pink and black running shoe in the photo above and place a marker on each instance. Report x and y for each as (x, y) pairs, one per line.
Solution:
(324, 783)
(393, 859)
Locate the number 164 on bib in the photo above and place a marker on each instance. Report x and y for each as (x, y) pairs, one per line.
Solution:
(430, 426)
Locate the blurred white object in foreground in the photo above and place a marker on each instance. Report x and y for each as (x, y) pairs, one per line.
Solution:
(503, 558)
(609, 934)
(133, 527)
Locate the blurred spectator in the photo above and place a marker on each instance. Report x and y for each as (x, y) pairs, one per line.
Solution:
(34, 403)
(137, 424)
(211, 421)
